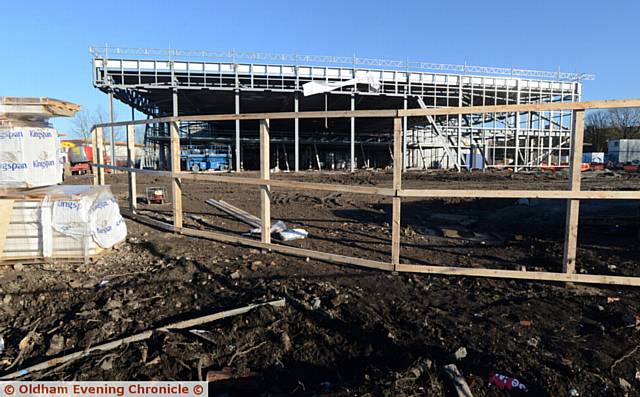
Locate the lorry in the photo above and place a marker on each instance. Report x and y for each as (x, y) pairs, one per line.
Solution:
(213, 158)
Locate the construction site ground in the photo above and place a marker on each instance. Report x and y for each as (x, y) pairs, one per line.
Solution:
(347, 331)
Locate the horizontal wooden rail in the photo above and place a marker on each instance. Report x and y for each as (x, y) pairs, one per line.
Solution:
(521, 275)
(390, 192)
(257, 182)
(392, 113)
(515, 194)
(160, 173)
(381, 191)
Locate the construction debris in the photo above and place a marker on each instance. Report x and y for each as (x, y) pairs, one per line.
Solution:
(460, 353)
(463, 234)
(278, 228)
(293, 234)
(504, 382)
(130, 339)
(236, 212)
(459, 383)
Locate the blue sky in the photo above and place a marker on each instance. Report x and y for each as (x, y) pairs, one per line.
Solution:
(44, 45)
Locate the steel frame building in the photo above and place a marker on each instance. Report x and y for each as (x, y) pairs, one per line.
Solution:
(168, 83)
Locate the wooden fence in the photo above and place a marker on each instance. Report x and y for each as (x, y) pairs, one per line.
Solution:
(573, 194)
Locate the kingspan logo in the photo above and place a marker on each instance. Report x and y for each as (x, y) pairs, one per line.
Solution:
(104, 204)
(72, 205)
(43, 163)
(11, 134)
(10, 167)
(100, 205)
(103, 230)
(40, 134)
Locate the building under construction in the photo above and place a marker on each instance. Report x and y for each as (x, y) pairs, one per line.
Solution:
(172, 82)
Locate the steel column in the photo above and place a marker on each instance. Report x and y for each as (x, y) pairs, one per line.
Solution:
(296, 133)
(517, 129)
(353, 134)
(113, 134)
(238, 148)
(174, 99)
(459, 140)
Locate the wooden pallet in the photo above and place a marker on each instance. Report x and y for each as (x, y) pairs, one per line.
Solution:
(55, 259)
(46, 106)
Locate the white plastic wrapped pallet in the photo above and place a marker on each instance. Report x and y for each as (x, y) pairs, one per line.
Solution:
(29, 157)
(64, 221)
(95, 214)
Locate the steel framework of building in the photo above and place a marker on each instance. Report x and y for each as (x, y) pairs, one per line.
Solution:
(156, 83)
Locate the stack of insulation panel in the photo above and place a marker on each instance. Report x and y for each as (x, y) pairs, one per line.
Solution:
(40, 219)
(59, 222)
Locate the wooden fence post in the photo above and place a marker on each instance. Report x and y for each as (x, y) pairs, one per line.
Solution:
(573, 206)
(397, 185)
(265, 200)
(131, 161)
(176, 186)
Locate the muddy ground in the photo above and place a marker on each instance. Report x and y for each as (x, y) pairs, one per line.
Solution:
(347, 331)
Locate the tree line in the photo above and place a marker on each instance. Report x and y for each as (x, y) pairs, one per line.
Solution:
(601, 126)
(85, 119)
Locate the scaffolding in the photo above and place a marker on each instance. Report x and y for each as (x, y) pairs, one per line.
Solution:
(172, 83)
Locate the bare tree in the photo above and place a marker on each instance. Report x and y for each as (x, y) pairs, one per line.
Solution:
(626, 121)
(597, 124)
(85, 119)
